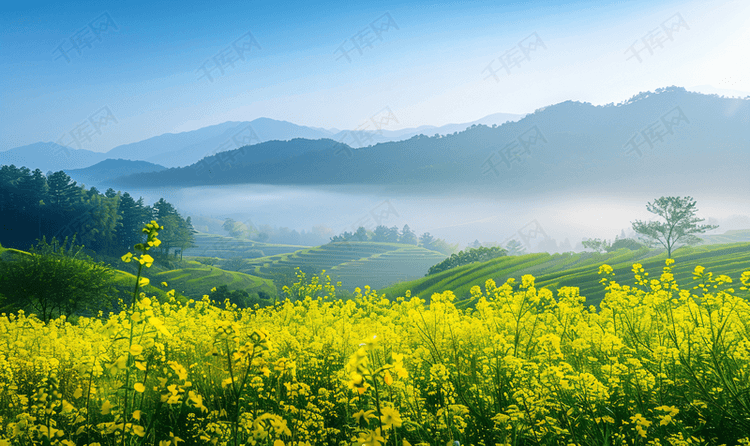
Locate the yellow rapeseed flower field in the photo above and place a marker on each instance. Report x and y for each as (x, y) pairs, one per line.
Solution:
(656, 364)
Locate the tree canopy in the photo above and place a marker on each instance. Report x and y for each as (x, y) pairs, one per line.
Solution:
(53, 205)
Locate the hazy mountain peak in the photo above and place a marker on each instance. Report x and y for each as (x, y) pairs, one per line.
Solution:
(48, 156)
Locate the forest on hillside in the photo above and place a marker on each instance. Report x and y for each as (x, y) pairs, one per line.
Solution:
(53, 205)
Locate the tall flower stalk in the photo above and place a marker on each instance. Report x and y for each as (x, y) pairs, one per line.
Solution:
(151, 231)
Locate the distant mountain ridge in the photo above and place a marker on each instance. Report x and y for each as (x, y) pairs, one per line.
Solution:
(151, 148)
(49, 156)
(185, 148)
(109, 169)
(669, 136)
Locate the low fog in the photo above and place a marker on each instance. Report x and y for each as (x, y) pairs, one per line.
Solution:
(459, 216)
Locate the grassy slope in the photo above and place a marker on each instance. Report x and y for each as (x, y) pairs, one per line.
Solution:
(11, 253)
(580, 270)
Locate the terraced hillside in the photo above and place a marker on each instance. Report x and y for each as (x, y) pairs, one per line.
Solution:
(579, 270)
(213, 245)
(734, 236)
(381, 270)
(355, 264)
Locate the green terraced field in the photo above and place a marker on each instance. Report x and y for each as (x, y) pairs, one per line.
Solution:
(380, 270)
(355, 264)
(735, 236)
(213, 245)
(580, 270)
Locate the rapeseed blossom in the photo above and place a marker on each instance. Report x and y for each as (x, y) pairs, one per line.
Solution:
(526, 366)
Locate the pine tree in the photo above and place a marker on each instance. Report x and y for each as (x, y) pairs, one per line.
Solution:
(185, 237)
(62, 192)
(163, 208)
(32, 190)
(133, 216)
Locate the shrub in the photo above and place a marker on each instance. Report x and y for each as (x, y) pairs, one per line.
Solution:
(628, 243)
(464, 258)
(53, 282)
(208, 261)
(233, 264)
(241, 298)
(254, 253)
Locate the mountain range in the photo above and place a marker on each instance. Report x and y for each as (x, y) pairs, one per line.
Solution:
(183, 149)
(671, 138)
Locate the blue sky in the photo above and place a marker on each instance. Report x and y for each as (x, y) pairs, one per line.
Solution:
(430, 70)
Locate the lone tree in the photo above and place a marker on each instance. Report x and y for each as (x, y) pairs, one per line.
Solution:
(680, 225)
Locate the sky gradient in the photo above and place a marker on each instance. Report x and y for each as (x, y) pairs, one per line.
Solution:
(428, 65)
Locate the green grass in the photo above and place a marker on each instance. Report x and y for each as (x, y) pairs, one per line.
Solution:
(580, 270)
(125, 282)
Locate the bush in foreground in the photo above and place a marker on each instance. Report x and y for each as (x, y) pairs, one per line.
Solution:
(53, 281)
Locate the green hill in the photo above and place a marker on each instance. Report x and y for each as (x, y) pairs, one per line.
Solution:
(198, 279)
(395, 268)
(579, 270)
(190, 282)
(355, 264)
(11, 253)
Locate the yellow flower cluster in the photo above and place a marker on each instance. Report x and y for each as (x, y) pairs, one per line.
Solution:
(655, 364)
